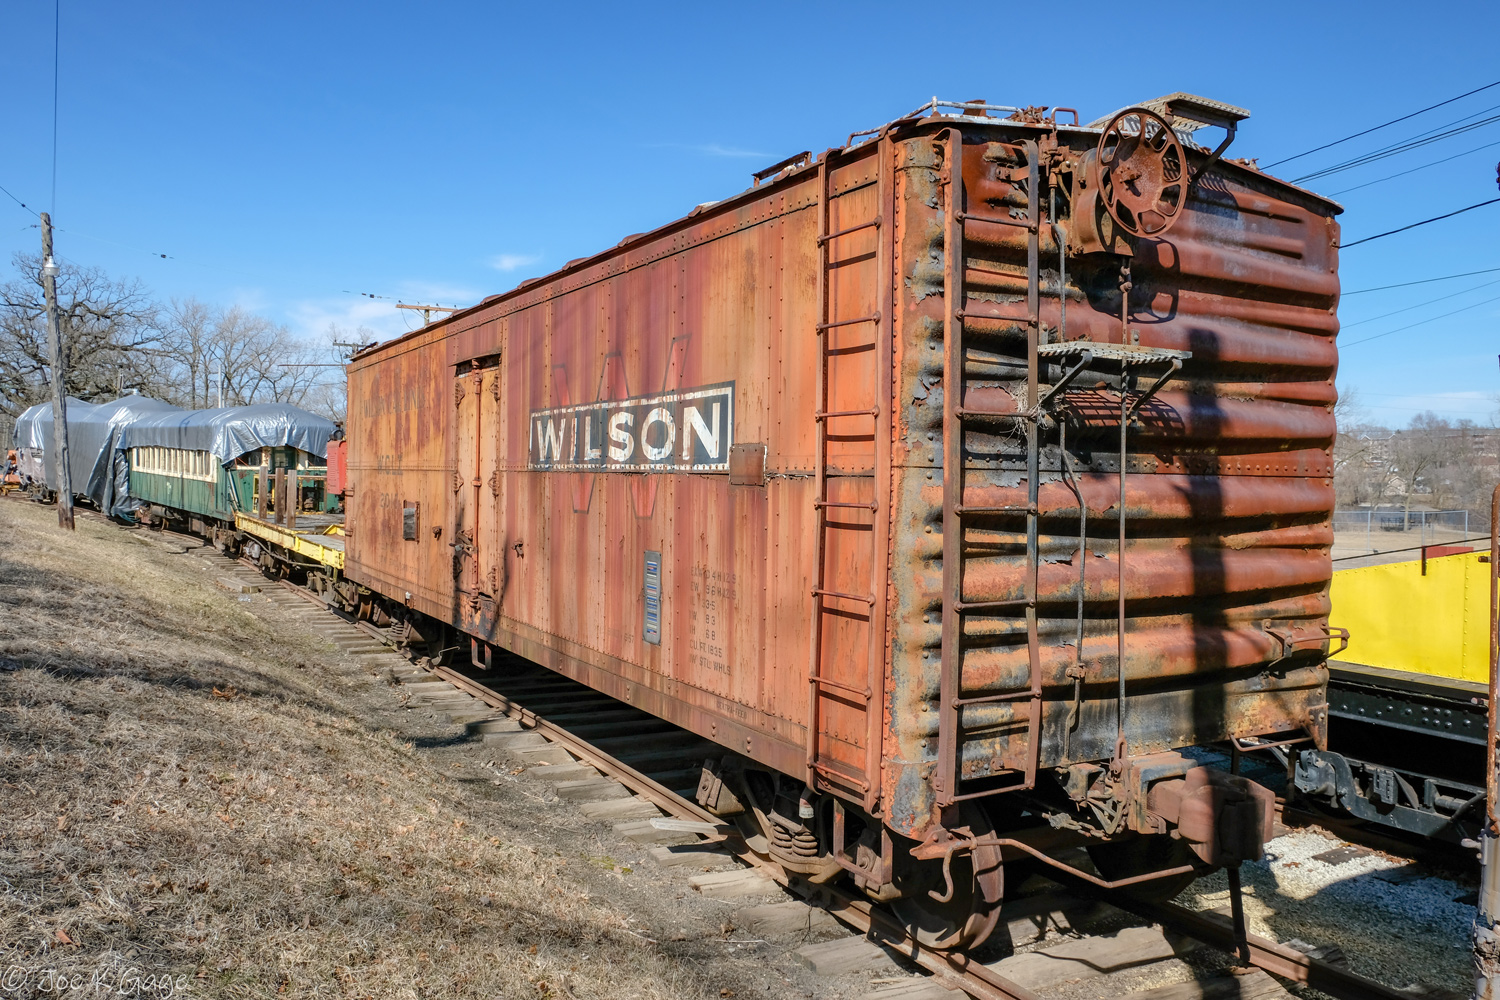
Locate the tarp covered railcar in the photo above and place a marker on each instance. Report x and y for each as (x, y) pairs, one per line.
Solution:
(212, 455)
(831, 471)
(96, 462)
(192, 452)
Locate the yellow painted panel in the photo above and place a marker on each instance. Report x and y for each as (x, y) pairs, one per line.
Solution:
(1397, 618)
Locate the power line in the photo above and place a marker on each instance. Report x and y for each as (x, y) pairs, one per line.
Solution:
(1440, 298)
(1432, 409)
(1424, 281)
(1377, 128)
(100, 239)
(56, 47)
(1414, 225)
(18, 201)
(1430, 319)
(1426, 395)
(1404, 146)
(1391, 177)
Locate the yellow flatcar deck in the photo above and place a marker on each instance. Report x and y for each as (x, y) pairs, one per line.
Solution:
(316, 537)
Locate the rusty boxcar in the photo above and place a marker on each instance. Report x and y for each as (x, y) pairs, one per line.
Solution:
(953, 481)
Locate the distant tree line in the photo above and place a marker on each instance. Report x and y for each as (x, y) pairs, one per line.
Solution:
(117, 339)
(1431, 463)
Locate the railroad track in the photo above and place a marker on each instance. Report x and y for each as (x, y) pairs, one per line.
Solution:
(626, 766)
(629, 767)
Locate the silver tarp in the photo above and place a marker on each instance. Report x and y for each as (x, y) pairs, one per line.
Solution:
(100, 434)
(98, 468)
(229, 433)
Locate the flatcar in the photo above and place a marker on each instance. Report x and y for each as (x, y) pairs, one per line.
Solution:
(1409, 698)
(954, 482)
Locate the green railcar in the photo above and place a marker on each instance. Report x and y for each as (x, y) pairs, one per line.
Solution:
(197, 483)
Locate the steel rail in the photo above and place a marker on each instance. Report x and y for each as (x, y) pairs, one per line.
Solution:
(1277, 959)
(954, 970)
(957, 971)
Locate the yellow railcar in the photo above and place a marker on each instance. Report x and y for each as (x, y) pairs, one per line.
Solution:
(1408, 697)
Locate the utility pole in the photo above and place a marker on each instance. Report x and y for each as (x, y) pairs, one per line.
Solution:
(59, 393)
(1486, 930)
(427, 311)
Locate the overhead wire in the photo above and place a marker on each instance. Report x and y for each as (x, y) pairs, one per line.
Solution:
(1423, 281)
(1414, 225)
(1423, 322)
(56, 48)
(160, 256)
(1376, 128)
(1440, 298)
(18, 201)
(1404, 146)
(1433, 163)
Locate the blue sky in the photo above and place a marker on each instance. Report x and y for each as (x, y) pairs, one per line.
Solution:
(288, 157)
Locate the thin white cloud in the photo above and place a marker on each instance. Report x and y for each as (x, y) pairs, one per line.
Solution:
(712, 149)
(310, 319)
(512, 261)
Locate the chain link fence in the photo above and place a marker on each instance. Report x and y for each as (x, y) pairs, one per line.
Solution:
(1373, 530)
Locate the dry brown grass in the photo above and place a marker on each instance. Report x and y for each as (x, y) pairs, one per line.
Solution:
(186, 793)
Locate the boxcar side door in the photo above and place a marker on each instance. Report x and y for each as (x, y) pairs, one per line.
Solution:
(468, 481)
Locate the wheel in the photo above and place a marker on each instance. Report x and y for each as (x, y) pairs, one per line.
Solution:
(966, 918)
(1142, 855)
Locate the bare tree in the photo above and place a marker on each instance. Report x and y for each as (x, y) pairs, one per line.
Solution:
(330, 396)
(111, 338)
(256, 360)
(188, 339)
(1442, 464)
(118, 340)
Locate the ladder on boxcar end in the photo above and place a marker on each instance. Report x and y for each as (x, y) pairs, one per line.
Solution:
(955, 418)
(836, 316)
(1072, 358)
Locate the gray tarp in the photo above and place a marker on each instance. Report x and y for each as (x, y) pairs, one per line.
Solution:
(99, 435)
(229, 433)
(98, 469)
(33, 436)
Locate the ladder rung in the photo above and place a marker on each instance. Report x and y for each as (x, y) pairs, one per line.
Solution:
(966, 414)
(874, 317)
(873, 411)
(995, 510)
(1020, 602)
(863, 692)
(1018, 223)
(872, 505)
(990, 699)
(840, 775)
(867, 598)
(961, 314)
(873, 223)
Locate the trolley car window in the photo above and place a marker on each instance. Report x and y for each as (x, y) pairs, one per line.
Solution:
(173, 462)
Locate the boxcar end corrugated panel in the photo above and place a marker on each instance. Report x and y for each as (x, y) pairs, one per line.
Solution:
(581, 439)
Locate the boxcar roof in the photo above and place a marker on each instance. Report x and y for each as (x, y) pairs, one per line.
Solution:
(925, 116)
